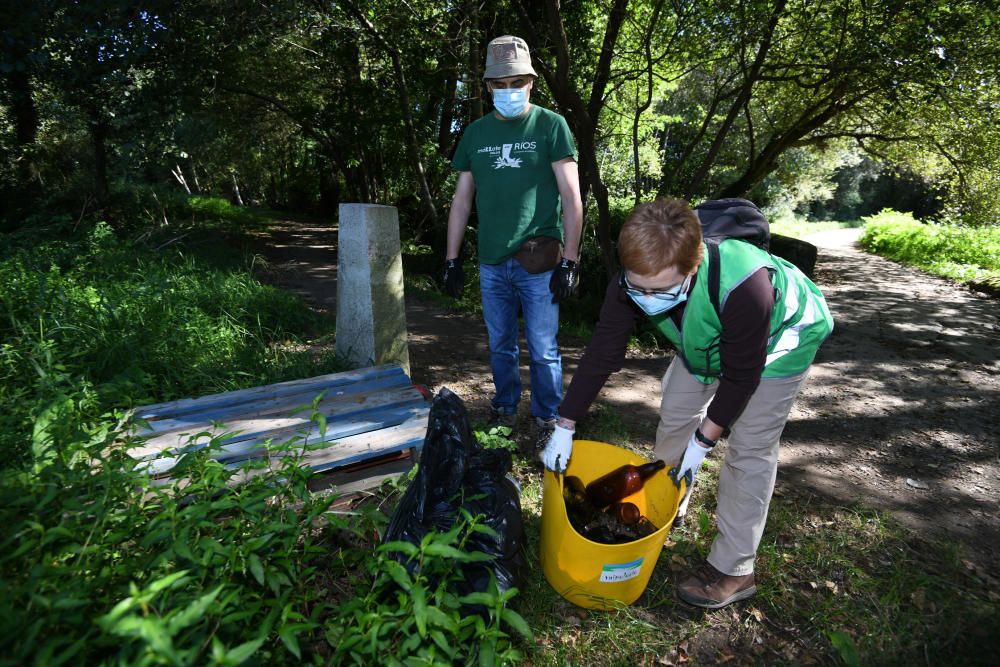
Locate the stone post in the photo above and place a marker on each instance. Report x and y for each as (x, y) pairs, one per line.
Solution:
(371, 314)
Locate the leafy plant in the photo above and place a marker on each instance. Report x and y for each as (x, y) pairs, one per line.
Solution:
(949, 250)
(846, 648)
(102, 563)
(497, 437)
(397, 618)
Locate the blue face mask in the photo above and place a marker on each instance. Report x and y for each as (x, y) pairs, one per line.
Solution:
(659, 302)
(510, 102)
(654, 304)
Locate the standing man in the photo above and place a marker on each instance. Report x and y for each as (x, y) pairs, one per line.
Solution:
(519, 164)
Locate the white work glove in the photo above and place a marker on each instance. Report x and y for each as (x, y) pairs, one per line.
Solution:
(556, 454)
(690, 461)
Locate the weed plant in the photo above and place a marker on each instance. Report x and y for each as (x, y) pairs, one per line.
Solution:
(99, 565)
(949, 250)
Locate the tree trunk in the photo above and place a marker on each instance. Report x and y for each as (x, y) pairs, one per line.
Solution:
(194, 176)
(99, 135)
(178, 174)
(360, 182)
(441, 107)
(767, 160)
(641, 108)
(25, 116)
(237, 198)
(475, 64)
(23, 107)
(445, 135)
(582, 117)
(329, 188)
(412, 142)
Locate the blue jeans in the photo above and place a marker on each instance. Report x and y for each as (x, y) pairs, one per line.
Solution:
(506, 287)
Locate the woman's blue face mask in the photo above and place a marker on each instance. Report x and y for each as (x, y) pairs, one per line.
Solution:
(654, 302)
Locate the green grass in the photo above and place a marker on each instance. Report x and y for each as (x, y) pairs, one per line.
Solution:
(952, 251)
(800, 227)
(832, 581)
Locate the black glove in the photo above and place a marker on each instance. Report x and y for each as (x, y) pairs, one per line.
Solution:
(454, 278)
(564, 280)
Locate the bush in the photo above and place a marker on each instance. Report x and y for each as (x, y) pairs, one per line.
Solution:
(949, 250)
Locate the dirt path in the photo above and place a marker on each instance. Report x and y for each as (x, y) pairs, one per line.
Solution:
(901, 411)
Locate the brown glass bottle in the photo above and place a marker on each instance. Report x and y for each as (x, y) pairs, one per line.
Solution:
(626, 513)
(621, 482)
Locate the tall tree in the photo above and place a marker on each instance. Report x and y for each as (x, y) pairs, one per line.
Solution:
(582, 115)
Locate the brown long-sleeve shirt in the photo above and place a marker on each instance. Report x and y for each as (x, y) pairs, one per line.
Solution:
(745, 319)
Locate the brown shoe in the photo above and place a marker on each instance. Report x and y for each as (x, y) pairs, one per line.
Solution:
(708, 588)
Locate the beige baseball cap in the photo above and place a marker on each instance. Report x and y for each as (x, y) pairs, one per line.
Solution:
(507, 56)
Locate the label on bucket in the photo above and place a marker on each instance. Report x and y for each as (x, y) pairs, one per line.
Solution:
(612, 572)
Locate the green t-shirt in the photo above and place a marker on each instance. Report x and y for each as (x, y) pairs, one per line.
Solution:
(517, 196)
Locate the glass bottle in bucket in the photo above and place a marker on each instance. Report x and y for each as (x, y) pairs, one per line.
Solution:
(621, 482)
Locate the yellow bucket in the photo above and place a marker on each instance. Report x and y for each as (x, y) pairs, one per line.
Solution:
(594, 575)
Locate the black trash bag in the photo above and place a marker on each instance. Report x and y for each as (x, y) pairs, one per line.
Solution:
(457, 472)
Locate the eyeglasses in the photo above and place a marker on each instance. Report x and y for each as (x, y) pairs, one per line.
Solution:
(671, 293)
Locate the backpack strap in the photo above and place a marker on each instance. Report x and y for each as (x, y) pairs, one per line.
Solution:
(714, 275)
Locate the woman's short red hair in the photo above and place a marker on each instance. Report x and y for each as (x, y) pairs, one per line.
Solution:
(660, 234)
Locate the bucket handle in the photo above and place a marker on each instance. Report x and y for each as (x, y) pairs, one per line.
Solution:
(687, 478)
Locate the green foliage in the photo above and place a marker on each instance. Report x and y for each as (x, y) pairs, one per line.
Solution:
(846, 648)
(497, 437)
(797, 226)
(226, 214)
(949, 250)
(396, 618)
(94, 322)
(698, 98)
(101, 564)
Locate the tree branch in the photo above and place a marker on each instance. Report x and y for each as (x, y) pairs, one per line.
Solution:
(603, 72)
(749, 81)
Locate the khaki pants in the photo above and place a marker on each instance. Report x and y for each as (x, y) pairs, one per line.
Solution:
(751, 465)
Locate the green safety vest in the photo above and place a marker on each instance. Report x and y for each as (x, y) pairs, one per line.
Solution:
(800, 321)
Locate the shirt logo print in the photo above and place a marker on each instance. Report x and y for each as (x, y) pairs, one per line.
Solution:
(505, 160)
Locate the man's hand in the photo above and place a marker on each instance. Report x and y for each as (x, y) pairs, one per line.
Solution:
(557, 452)
(690, 461)
(454, 278)
(564, 280)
